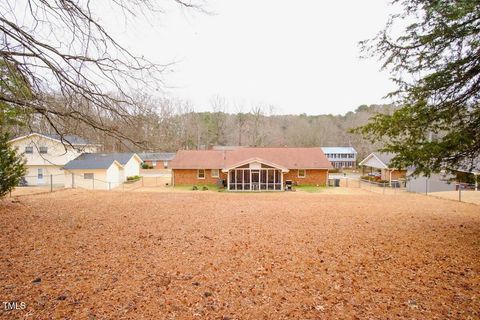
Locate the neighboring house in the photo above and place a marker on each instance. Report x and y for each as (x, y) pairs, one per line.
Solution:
(341, 157)
(101, 170)
(443, 181)
(46, 154)
(157, 160)
(434, 183)
(380, 162)
(251, 169)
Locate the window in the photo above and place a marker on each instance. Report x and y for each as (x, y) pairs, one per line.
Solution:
(88, 176)
(40, 173)
(43, 150)
(165, 164)
(154, 163)
(302, 173)
(29, 150)
(201, 174)
(215, 173)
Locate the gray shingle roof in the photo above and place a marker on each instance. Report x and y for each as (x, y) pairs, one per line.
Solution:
(160, 156)
(68, 138)
(98, 160)
(384, 157)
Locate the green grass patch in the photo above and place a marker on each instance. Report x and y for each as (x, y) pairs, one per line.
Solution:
(199, 187)
(310, 188)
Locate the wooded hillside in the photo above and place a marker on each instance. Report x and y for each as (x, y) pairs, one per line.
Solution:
(170, 125)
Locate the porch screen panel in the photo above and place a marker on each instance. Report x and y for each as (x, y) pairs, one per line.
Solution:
(246, 177)
(263, 179)
(239, 180)
(278, 180)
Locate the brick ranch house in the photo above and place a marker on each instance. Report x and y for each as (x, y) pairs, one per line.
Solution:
(251, 169)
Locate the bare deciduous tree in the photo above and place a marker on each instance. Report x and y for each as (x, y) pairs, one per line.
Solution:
(66, 59)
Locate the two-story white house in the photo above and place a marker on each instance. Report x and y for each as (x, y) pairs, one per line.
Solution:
(45, 155)
(341, 157)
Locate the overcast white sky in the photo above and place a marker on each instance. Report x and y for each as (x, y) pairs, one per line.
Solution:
(300, 56)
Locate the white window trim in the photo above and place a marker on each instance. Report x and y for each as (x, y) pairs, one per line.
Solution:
(198, 174)
(217, 175)
(29, 148)
(43, 147)
(304, 171)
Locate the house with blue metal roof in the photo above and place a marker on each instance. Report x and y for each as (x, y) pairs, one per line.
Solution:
(341, 157)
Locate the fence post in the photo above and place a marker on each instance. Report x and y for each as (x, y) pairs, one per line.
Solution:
(142, 181)
(460, 193)
(384, 184)
(426, 185)
(93, 184)
(109, 185)
(73, 181)
(51, 183)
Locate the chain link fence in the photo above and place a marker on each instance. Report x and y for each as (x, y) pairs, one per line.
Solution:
(40, 184)
(394, 187)
(456, 192)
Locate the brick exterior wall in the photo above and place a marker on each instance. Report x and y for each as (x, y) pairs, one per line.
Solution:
(396, 174)
(189, 177)
(313, 177)
(399, 174)
(159, 164)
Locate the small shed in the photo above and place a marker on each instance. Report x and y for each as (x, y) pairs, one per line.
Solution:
(101, 170)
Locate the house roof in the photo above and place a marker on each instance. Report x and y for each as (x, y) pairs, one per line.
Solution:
(99, 160)
(472, 166)
(383, 157)
(161, 156)
(73, 139)
(290, 158)
(330, 150)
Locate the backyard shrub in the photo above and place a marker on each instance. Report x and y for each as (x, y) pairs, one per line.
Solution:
(205, 188)
(370, 178)
(12, 166)
(133, 178)
(145, 166)
(194, 188)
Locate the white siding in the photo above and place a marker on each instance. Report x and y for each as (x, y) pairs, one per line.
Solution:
(374, 163)
(53, 173)
(57, 155)
(114, 176)
(131, 168)
(104, 179)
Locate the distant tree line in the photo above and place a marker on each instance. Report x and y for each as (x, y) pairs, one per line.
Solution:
(171, 125)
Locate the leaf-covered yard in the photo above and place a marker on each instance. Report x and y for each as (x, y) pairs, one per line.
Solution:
(195, 255)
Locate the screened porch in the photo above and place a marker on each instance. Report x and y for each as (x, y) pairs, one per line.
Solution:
(262, 179)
